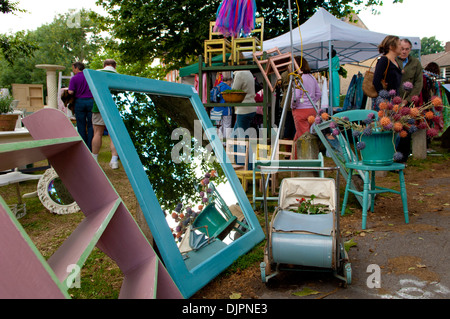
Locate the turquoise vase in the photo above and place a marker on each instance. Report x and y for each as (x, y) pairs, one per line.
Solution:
(379, 148)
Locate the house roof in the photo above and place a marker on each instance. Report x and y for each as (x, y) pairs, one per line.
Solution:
(441, 58)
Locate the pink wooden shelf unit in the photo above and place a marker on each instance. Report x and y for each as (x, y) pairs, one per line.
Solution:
(24, 273)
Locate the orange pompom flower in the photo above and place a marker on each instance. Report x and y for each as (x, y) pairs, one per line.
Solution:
(429, 115)
(403, 133)
(325, 116)
(385, 121)
(311, 119)
(395, 108)
(414, 111)
(383, 105)
(380, 114)
(200, 207)
(436, 101)
(398, 126)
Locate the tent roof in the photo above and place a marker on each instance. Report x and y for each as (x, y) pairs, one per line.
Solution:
(352, 44)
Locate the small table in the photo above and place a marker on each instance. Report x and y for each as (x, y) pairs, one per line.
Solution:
(18, 135)
(15, 177)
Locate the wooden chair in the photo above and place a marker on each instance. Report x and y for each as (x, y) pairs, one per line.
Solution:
(274, 62)
(216, 44)
(261, 58)
(262, 154)
(287, 152)
(237, 148)
(353, 162)
(279, 63)
(252, 43)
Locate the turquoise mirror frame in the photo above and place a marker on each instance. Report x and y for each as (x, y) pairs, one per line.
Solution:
(188, 281)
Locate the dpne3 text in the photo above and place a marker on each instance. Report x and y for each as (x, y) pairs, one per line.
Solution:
(235, 309)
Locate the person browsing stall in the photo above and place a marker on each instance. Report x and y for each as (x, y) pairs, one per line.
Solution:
(388, 74)
(84, 102)
(109, 65)
(411, 71)
(301, 105)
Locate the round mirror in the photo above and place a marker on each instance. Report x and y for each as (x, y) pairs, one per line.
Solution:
(54, 195)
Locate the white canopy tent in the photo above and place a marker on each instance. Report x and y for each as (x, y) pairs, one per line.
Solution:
(324, 31)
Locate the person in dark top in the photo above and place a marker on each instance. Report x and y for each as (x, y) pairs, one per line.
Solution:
(388, 74)
(84, 102)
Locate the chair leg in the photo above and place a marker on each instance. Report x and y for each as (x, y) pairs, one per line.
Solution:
(372, 196)
(347, 187)
(365, 199)
(403, 195)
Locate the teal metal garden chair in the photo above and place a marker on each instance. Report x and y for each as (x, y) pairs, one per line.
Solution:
(353, 162)
(216, 219)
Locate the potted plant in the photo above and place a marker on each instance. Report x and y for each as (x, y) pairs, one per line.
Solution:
(7, 118)
(395, 116)
(233, 96)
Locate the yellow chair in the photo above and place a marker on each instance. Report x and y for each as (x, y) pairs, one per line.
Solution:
(216, 44)
(252, 43)
(263, 152)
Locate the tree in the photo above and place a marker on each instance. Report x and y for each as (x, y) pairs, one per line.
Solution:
(11, 45)
(56, 43)
(431, 45)
(7, 6)
(174, 31)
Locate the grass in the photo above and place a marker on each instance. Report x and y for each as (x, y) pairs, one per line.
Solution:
(100, 276)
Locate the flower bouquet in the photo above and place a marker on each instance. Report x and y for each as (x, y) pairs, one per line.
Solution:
(394, 114)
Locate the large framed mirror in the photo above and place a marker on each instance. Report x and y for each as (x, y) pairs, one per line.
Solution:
(196, 209)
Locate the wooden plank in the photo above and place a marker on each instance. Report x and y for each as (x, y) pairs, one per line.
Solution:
(77, 247)
(24, 273)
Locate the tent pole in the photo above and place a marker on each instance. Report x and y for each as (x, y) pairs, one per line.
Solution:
(330, 98)
(289, 90)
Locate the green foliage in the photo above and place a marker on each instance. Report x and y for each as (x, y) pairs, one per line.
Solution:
(6, 6)
(5, 104)
(254, 256)
(13, 45)
(59, 42)
(431, 45)
(309, 208)
(150, 127)
(175, 30)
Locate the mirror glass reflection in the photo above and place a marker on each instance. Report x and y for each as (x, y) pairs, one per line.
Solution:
(180, 163)
(59, 193)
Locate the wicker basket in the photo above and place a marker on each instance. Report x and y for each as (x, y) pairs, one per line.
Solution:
(234, 97)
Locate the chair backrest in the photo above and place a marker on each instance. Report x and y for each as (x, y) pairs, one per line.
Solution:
(219, 201)
(236, 147)
(213, 35)
(286, 153)
(346, 139)
(259, 29)
(263, 151)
